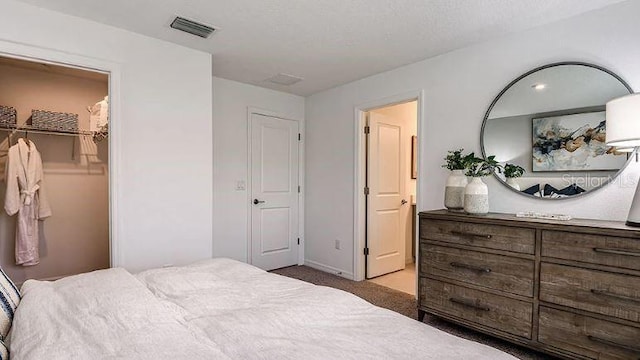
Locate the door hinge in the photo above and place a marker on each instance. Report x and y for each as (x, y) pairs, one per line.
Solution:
(298, 189)
(299, 137)
(367, 129)
(366, 251)
(366, 191)
(298, 241)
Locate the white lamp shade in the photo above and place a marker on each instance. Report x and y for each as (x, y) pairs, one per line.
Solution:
(623, 121)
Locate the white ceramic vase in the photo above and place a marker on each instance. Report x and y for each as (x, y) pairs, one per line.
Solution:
(454, 190)
(476, 197)
(513, 183)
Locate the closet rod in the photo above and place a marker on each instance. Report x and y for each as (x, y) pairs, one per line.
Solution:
(46, 132)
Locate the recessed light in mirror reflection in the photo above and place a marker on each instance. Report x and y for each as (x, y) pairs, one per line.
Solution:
(625, 149)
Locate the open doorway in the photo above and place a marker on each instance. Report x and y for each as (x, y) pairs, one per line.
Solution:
(57, 115)
(390, 195)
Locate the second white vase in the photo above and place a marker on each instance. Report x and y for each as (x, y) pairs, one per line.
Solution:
(513, 183)
(476, 197)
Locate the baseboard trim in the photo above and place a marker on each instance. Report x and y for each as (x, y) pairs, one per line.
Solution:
(329, 269)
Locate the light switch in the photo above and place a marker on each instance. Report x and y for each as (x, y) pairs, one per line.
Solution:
(241, 185)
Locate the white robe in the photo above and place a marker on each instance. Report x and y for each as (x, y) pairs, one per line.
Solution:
(26, 197)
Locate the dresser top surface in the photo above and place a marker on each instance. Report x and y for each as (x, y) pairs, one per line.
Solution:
(512, 219)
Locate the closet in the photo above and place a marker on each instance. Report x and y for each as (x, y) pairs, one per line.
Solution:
(49, 100)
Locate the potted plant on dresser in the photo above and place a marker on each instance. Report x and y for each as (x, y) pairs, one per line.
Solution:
(476, 193)
(511, 173)
(457, 180)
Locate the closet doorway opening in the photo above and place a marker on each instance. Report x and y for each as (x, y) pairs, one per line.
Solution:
(390, 176)
(54, 143)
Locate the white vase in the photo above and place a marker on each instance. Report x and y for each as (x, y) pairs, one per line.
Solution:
(454, 190)
(476, 197)
(513, 183)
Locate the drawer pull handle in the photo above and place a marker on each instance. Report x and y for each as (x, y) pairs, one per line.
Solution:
(470, 235)
(469, 303)
(479, 269)
(617, 252)
(614, 295)
(612, 343)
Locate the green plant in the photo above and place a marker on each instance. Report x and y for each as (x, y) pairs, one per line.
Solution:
(455, 160)
(513, 171)
(479, 167)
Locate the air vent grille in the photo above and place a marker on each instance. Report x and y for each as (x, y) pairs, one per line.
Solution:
(284, 79)
(192, 27)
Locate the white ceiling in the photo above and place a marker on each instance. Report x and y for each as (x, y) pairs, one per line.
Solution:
(566, 87)
(327, 42)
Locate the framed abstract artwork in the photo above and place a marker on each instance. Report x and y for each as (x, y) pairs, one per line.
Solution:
(574, 142)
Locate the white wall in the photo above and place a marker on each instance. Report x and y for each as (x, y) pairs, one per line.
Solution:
(458, 87)
(231, 103)
(165, 192)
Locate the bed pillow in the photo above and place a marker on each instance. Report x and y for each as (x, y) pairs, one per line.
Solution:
(573, 189)
(534, 190)
(4, 351)
(550, 191)
(9, 300)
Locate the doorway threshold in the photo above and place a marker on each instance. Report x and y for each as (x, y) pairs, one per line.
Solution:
(403, 280)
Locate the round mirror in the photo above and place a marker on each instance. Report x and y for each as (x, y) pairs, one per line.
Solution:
(548, 128)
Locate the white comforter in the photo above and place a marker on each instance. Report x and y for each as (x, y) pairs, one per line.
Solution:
(105, 314)
(252, 314)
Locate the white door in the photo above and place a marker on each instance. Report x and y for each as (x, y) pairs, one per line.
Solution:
(387, 202)
(274, 192)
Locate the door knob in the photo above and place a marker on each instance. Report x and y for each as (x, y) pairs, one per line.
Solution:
(403, 202)
(256, 201)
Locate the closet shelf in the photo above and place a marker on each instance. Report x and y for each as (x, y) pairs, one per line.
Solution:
(31, 129)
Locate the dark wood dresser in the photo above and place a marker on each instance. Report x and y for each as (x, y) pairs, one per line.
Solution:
(567, 288)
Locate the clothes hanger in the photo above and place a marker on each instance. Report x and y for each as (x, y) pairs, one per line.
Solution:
(26, 138)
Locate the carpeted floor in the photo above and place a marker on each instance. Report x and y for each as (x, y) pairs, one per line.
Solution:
(404, 304)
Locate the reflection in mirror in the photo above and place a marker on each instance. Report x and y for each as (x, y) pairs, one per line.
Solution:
(551, 122)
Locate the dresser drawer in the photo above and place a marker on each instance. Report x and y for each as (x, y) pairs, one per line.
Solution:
(600, 292)
(595, 249)
(586, 336)
(501, 313)
(498, 272)
(515, 239)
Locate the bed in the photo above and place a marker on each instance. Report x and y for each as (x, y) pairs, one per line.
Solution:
(216, 309)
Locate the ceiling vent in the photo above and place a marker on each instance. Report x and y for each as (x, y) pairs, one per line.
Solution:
(284, 79)
(192, 27)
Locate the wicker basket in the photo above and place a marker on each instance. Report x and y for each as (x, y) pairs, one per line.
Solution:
(49, 120)
(101, 134)
(8, 115)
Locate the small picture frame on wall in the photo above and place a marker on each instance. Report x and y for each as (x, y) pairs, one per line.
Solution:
(414, 157)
